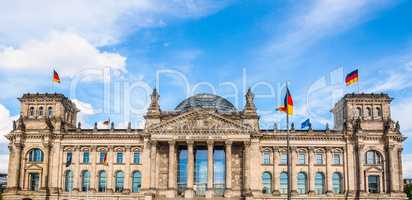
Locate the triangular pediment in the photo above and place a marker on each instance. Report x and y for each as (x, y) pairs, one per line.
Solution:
(200, 120)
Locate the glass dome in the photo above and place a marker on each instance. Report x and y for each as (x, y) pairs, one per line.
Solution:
(208, 101)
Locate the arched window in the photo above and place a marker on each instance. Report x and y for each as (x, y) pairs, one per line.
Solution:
(102, 181)
(35, 155)
(378, 112)
(266, 157)
(337, 183)
(119, 181)
(31, 111)
(302, 183)
(368, 112)
(283, 181)
(68, 181)
(136, 182)
(319, 183)
(358, 112)
(50, 111)
(267, 182)
(41, 111)
(136, 157)
(373, 157)
(85, 181)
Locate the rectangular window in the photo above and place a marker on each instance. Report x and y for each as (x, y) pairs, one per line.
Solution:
(136, 157)
(102, 157)
(301, 158)
(336, 159)
(86, 157)
(266, 158)
(69, 156)
(34, 179)
(119, 158)
(319, 158)
(283, 159)
(373, 184)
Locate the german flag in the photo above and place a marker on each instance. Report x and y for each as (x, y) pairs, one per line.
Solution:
(56, 78)
(352, 78)
(287, 106)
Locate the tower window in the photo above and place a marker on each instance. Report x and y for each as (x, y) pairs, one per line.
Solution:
(31, 111)
(41, 111)
(50, 111)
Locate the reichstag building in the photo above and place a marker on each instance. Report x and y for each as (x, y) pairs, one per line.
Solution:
(204, 149)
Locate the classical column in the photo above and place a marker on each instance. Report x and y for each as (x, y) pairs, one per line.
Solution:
(228, 190)
(311, 171)
(172, 170)
(328, 176)
(393, 169)
(400, 171)
(293, 177)
(189, 193)
(14, 167)
(210, 192)
(153, 153)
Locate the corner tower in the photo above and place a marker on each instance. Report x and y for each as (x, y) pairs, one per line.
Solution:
(370, 111)
(47, 111)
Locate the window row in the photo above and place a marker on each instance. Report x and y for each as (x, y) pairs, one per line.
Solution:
(319, 158)
(119, 179)
(103, 159)
(302, 183)
(41, 111)
(369, 112)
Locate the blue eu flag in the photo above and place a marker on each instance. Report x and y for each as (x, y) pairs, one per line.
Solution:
(306, 123)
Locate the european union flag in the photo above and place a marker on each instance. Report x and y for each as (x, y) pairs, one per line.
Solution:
(306, 123)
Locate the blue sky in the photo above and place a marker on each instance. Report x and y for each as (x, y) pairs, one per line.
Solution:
(110, 55)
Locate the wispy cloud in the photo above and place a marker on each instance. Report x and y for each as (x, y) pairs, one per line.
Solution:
(100, 22)
(309, 23)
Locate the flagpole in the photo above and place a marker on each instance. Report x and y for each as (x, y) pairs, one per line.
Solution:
(288, 150)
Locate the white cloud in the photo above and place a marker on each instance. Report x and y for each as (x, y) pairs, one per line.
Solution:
(102, 22)
(6, 123)
(4, 161)
(402, 111)
(68, 53)
(86, 110)
(396, 79)
(406, 163)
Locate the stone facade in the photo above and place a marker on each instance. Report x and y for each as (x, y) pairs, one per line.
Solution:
(53, 157)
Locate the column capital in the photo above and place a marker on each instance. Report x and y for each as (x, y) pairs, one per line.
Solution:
(153, 142)
(210, 142)
(311, 149)
(172, 142)
(247, 143)
(189, 142)
(228, 142)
